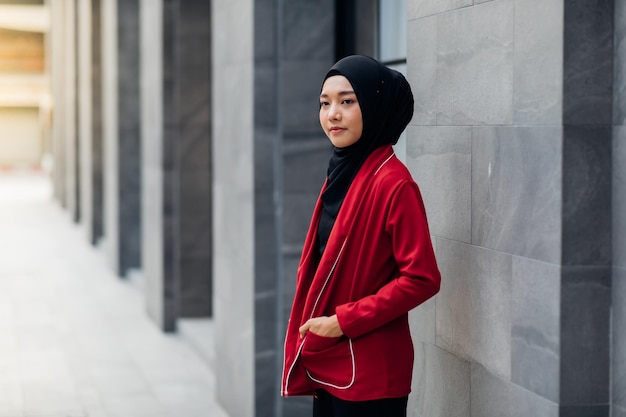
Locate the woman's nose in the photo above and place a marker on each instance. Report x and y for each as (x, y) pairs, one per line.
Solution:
(334, 113)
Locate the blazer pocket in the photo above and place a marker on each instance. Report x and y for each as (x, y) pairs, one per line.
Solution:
(329, 361)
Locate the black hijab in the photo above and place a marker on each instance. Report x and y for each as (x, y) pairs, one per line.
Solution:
(386, 103)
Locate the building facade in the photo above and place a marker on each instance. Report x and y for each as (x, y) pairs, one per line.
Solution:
(186, 141)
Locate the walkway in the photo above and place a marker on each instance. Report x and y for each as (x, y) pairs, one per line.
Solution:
(74, 339)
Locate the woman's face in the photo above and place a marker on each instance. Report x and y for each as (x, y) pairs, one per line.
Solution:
(340, 114)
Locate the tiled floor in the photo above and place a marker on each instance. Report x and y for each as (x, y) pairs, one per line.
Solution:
(74, 339)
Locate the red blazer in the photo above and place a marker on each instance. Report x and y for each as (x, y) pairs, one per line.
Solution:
(378, 264)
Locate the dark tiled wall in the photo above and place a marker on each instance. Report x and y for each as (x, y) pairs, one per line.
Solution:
(194, 158)
(177, 206)
(618, 367)
(97, 148)
(293, 50)
(129, 141)
(586, 238)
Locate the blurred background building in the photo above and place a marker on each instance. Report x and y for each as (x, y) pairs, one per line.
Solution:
(24, 99)
(183, 137)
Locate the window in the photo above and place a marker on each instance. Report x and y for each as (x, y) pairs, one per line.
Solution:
(391, 48)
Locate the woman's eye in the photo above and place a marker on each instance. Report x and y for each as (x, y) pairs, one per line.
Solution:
(348, 101)
(323, 103)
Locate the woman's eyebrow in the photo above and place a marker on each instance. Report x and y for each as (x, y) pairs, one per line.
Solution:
(341, 93)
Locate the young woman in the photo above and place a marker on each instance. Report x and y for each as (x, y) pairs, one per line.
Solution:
(367, 258)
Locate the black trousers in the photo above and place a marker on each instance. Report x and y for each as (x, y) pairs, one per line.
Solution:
(326, 405)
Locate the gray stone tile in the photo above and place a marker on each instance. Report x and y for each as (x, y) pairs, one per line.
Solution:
(195, 289)
(585, 338)
(585, 411)
(290, 270)
(120, 380)
(265, 322)
(422, 69)
(535, 328)
(618, 194)
(586, 196)
(491, 310)
(297, 406)
(98, 355)
(193, 79)
(302, 82)
(618, 411)
(265, 15)
(194, 205)
(297, 209)
(516, 190)
(266, 381)
(441, 384)
(422, 322)
(265, 252)
(588, 63)
(493, 396)
(233, 202)
(440, 161)
(538, 75)
(11, 400)
(232, 46)
(453, 306)
(619, 81)
(618, 335)
(421, 8)
(473, 308)
(265, 97)
(194, 147)
(265, 143)
(475, 65)
(305, 163)
(306, 30)
(135, 405)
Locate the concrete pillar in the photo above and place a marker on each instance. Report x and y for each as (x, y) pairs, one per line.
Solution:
(177, 159)
(274, 54)
(233, 202)
(70, 121)
(90, 118)
(121, 133)
(57, 81)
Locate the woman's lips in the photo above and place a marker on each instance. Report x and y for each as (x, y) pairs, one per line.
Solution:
(336, 129)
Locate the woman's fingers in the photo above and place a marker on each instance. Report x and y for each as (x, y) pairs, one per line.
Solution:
(322, 326)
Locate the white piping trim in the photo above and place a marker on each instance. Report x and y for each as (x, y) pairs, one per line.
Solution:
(328, 384)
(327, 279)
(384, 162)
(286, 391)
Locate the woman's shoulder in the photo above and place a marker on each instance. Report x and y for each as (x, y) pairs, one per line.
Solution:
(394, 172)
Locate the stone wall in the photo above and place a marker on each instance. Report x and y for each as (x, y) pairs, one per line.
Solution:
(618, 367)
(511, 145)
(485, 146)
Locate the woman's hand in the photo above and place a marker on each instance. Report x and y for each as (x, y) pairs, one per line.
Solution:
(322, 326)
